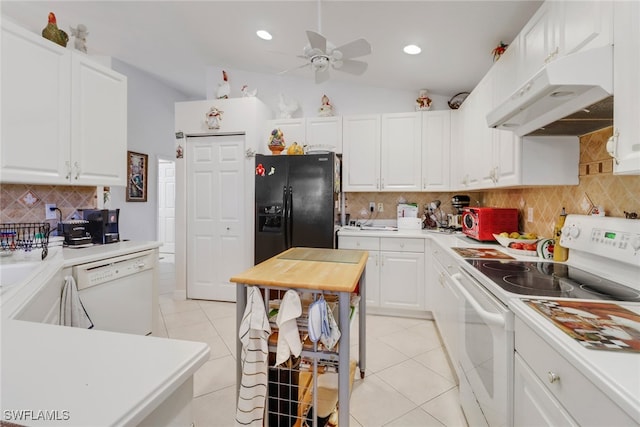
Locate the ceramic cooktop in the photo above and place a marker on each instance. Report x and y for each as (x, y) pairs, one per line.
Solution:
(549, 279)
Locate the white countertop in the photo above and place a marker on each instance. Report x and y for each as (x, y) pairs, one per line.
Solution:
(616, 373)
(99, 377)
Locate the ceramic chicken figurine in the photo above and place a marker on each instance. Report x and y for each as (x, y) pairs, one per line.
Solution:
(80, 33)
(246, 93)
(53, 33)
(223, 88)
(287, 108)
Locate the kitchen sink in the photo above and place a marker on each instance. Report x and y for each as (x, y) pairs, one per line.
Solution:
(12, 274)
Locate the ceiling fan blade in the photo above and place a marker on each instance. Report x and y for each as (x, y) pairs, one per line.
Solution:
(354, 49)
(317, 41)
(322, 75)
(294, 68)
(352, 66)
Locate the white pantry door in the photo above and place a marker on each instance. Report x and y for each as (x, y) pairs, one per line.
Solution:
(215, 208)
(167, 206)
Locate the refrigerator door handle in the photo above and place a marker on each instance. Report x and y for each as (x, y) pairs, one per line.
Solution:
(285, 217)
(289, 221)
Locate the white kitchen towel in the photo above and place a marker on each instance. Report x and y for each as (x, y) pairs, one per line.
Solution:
(72, 312)
(288, 337)
(254, 334)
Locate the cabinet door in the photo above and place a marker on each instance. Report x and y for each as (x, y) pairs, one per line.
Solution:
(401, 153)
(293, 130)
(372, 276)
(99, 124)
(361, 153)
(585, 25)
(538, 41)
(436, 145)
(402, 280)
(533, 404)
(507, 155)
(324, 133)
(625, 145)
(35, 108)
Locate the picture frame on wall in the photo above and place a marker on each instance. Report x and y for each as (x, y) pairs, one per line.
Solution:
(137, 165)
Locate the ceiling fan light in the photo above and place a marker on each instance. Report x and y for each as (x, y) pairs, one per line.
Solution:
(264, 35)
(412, 49)
(336, 55)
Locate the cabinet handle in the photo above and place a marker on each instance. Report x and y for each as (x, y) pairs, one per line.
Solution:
(77, 167)
(553, 377)
(382, 186)
(68, 165)
(612, 146)
(402, 245)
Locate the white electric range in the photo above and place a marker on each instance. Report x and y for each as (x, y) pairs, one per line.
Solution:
(603, 266)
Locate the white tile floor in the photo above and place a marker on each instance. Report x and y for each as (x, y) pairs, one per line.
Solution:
(408, 381)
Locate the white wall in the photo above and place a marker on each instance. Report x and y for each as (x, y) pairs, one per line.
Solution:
(150, 115)
(347, 98)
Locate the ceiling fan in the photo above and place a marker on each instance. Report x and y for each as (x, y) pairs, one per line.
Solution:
(321, 55)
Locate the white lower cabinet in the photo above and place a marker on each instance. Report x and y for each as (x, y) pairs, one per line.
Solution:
(395, 272)
(534, 405)
(550, 390)
(402, 273)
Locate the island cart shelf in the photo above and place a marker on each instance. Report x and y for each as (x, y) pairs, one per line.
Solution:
(335, 275)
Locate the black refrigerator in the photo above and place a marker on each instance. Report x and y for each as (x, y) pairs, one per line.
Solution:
(296, 198)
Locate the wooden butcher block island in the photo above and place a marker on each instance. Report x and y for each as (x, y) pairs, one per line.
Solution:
(334, 273)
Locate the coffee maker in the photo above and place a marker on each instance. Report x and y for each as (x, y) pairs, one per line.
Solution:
(103, 225)
(458, 202)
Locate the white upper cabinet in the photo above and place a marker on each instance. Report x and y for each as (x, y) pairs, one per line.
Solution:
(584, 25)
(539, 41)
(624, 146)
(293, 130)
(317, 133)
(36, 108)
(561, 28)
(324, 133)
(401, 152)
(64, 118)
(361, 153)
(436, 146)
(99, 123)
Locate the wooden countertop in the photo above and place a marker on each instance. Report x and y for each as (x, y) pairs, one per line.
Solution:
(335, 270)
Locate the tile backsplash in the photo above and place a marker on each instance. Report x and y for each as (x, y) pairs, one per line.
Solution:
(26, 203)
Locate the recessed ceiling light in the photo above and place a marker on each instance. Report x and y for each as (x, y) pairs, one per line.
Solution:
(412, 49)
(264, 35)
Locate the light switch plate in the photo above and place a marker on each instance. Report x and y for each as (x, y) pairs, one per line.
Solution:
(529, 214)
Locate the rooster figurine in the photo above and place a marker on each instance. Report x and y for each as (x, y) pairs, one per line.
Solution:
(287, 107)
(223, 88)
(53, 33)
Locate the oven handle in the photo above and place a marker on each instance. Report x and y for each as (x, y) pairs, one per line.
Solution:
(491, 318)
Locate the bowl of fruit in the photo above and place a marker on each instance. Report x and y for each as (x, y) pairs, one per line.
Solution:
(520, 243)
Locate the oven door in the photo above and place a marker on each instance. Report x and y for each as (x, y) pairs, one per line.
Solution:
(486, 349)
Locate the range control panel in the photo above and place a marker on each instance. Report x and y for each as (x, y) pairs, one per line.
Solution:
(615, 238)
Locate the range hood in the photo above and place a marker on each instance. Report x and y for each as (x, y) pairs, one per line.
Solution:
(569, 96)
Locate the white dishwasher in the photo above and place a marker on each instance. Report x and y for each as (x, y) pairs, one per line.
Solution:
(117, 293)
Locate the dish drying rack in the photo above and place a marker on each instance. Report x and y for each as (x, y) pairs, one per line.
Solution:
(25, 236)
(303, 391)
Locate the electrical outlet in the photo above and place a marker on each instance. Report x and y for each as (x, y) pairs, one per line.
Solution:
(50, 211)
(380, 207)
(529, 214)
(372, 206)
